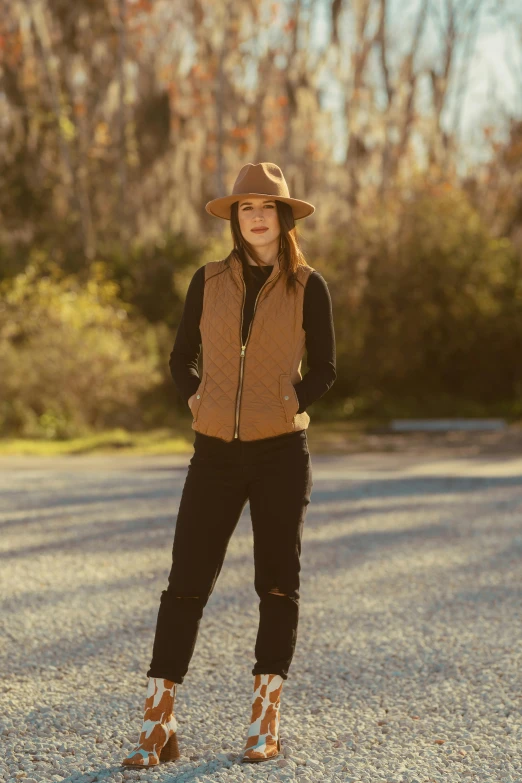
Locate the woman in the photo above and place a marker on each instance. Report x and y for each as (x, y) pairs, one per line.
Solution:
(254, 313)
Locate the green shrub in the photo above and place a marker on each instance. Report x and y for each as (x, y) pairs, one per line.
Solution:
(428, 309)
(71, 357)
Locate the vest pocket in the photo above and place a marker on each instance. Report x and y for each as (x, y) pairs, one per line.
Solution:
(288, 396)
(199, 393)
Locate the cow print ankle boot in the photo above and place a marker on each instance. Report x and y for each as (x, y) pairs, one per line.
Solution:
(157, 740)
(263, 735)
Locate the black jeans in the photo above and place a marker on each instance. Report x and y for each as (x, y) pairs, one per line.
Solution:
(275, 476)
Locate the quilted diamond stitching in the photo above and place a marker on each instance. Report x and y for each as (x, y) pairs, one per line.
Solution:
(276, 345)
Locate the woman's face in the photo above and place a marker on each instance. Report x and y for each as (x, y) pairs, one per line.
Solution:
(256, 212)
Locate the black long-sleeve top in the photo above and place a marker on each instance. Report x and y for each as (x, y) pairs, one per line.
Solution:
(317, 324)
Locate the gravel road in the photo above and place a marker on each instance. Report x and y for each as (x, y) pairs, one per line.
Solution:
(408, 664)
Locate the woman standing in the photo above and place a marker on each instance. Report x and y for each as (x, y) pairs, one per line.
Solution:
(254, 314)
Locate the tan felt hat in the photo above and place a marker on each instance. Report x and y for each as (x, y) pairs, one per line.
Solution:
(259, 179)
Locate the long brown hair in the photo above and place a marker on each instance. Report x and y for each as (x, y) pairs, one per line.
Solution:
(290, 255)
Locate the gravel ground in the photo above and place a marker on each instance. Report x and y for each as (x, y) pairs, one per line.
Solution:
(408, 664)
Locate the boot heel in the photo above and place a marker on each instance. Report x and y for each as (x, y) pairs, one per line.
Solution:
(170, 751)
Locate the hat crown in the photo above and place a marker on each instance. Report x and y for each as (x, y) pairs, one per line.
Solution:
(267, 179)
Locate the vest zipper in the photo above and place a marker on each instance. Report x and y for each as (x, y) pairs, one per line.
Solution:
(242, 354)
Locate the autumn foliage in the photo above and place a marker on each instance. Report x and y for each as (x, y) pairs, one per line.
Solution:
(120, 119)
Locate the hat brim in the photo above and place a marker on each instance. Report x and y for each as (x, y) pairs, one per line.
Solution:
(220, 207)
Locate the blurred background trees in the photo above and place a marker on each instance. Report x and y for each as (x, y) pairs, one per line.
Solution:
(120, 119)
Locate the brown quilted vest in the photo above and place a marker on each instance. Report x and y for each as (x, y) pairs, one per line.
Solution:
(248, 391)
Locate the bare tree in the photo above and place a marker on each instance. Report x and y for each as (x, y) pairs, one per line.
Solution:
(49, 63)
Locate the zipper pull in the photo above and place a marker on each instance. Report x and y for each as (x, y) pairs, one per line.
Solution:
(242, 350)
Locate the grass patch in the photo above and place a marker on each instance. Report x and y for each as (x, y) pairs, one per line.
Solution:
(322, 436)
(161, 441)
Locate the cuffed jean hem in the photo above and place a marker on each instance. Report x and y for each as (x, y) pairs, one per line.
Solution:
(164, 674)
(264, 670)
